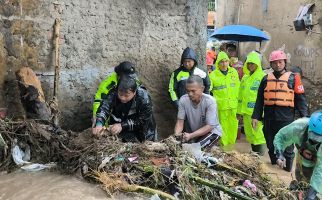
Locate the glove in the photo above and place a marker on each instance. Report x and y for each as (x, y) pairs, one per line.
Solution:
(311, 194)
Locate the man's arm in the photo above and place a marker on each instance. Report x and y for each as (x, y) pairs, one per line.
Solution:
(179, 127)
(259, 105)
(172, 90)
(180, 119)
(105, 109)
(102, 92)
(299, 96)
(290, 134)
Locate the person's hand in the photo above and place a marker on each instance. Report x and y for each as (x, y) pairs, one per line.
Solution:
(281, 163)
(254, 123)
(280, 159)
(97, 130)
(178, 135)
(116, 129)
(93, 122)
(187, 136)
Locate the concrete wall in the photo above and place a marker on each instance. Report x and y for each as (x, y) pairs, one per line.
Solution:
(276, 18)
(95, 36)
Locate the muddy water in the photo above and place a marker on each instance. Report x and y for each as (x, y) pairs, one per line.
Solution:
(272, 170)
(47, 185)
(50, 185)
(54, 186)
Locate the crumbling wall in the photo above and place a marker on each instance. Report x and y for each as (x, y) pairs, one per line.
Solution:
(276, 18)
(95, 36)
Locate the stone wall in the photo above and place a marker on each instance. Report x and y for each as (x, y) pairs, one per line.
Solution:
(276, 18)
(95, 36)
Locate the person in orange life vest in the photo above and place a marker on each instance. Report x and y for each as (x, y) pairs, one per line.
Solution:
(279, 93)
(210, 63)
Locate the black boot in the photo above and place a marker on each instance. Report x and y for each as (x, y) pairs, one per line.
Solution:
(259, 149)
(289, 164)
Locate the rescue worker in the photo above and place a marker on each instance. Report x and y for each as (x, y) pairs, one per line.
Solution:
(279, 93)
(306, 134)
(124, 68)
(225, 85)
(246, 101)
(210, 64)
(128, 112)
(188, 67)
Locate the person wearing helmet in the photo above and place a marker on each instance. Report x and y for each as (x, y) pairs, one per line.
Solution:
(246, 100)
(279, 93)
(188, 67)
(124, 68)
(225, 86)
(306, 134)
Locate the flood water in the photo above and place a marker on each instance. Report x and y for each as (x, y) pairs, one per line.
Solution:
(47, 185)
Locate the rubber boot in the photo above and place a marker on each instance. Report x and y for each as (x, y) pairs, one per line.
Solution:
(259, 149)
(289, 164)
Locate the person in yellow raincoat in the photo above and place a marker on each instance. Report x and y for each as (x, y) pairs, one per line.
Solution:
(224, 87)
(250, 82)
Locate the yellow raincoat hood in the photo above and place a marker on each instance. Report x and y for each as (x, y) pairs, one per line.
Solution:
(253, 57)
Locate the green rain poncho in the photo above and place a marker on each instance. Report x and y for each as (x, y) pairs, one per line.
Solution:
(225, 90)
(247, 98)
(294, 134)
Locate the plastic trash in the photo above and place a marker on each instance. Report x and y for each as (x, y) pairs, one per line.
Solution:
(250, 185)
(210, 161)
(194, 149)
(104, 162)
(155, 197)
(37, 167)
(133, 159)
(21, 158)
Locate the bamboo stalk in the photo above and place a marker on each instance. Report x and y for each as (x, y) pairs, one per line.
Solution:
(147, 190)
(232, 169)
(221, 188)
(57, 67)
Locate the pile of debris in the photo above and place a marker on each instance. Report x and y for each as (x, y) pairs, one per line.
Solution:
(166, 168)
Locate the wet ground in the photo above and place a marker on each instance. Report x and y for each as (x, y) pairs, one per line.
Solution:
(54, 186)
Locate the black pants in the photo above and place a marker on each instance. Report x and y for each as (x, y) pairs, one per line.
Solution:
(271, 127)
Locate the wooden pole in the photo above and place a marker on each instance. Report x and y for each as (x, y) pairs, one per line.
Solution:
(57, 68)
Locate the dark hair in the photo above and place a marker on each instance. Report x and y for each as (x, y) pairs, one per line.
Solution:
(232, 46)
(195, 79)
(124, 68)
(127, 83)
(297, 69)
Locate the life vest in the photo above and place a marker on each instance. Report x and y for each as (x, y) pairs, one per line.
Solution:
(277, 91)
(307, 150)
